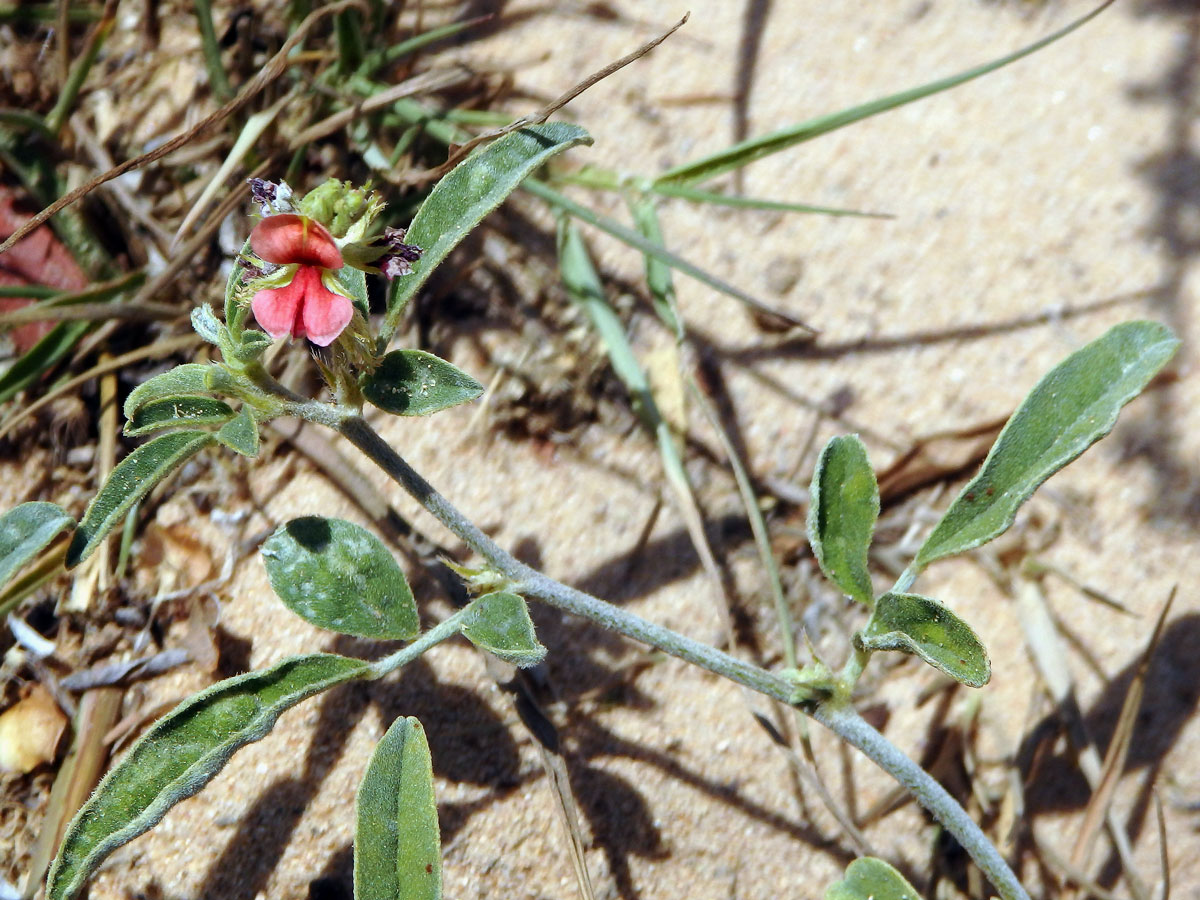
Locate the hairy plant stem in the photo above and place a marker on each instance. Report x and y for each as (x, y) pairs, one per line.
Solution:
(836, 714)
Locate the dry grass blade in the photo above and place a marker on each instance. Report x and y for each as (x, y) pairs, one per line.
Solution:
(273, 69)
(1164, 856)
(1118, 748)
(551, 108)
(247, 138)
(1049, 654)
(158, 349)
(1070, 873)
(137, 312)
(185, 254)
(79, 773)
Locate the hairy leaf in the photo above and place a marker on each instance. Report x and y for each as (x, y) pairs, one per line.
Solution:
(130, 481)
(470, 191)
(868, 878)
(177, 412)
(181, 753)
(240, 434)
(337, 575)
(499, 623)
(25, 531)
(397, 849)
(416, 383)
(188, 379)
(921, 625)
(842, 514)
(1070, 409)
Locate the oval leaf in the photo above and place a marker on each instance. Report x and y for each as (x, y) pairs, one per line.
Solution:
(25, 531)
(470, 191)
(416, 383)
(181, 753)
(499, 623)
(1070, 409)
(129, 482)
(177, 412)
(186, 379)
(868, 878)
(915, 624)
(397, 848)
(240, 434)
(842, 514)
(337, 575)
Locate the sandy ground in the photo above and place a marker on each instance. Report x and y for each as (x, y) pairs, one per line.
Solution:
(1033, 209)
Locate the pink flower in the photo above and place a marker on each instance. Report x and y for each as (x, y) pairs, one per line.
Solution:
(303, 305)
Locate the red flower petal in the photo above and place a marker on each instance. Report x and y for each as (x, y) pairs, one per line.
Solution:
(303, 307)
(325, 313)
(288, 238)
(277, 310)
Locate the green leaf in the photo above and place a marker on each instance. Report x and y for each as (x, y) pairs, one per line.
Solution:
(337, 575)
(177, 412)
(25, 531)
(240, 434)
(842, 514)
(130, 481)
(181, 753)
(756, 148)
(868, 878)
(915, 624)
(188, 379)
(416, 383)
(1071, 408)
(397, 849)
(41, 357)
(499, 623)
(470, 191)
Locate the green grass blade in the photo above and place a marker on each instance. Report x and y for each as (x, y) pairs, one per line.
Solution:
(584, 287)
(748, 151)
(212, 51)
(658, 273)
(696, 195)
(41, 357)
(638, 242)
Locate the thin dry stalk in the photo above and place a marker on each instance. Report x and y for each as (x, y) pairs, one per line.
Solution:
(273, 69)
(1118, 750)
(537, 118)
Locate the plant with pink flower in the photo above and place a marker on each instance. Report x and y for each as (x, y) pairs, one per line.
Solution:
(303, 246)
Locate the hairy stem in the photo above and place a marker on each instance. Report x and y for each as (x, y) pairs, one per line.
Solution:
(836, 714)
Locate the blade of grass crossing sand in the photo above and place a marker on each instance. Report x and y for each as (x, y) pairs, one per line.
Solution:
(748, 151)
(1049, 654)
(1118, 748)
(638, 242)
(584, 287)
